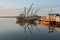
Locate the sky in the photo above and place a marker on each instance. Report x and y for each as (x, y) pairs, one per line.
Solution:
(4, 4)
(21, 3)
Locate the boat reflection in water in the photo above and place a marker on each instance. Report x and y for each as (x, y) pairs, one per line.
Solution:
(30, 25)
(51, 28)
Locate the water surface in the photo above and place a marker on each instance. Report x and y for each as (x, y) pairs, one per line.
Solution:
(9, 30)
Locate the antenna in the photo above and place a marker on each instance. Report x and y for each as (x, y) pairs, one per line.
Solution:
(32, 12)
(36, 11)
(29, 9)
(24, 11)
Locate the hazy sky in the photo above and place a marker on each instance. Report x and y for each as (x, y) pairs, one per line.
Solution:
(21, 3)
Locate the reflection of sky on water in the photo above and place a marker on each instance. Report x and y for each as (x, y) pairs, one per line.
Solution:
(10, 30)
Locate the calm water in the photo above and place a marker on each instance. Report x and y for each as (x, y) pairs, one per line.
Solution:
(9, 30)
